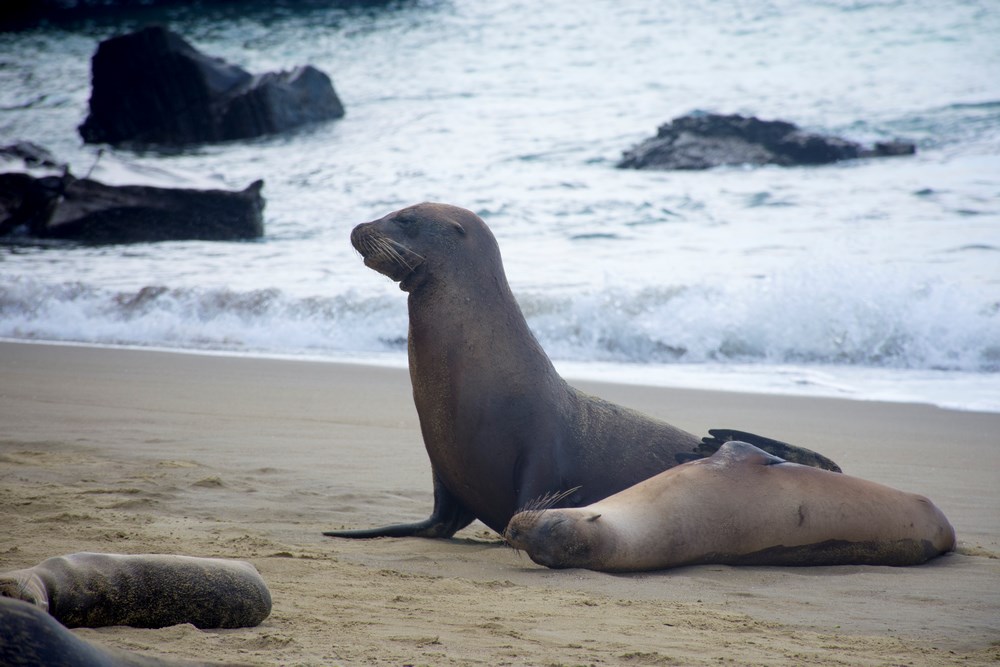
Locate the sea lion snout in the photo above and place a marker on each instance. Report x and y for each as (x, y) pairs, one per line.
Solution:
(553, 538)
(514, 534)
(526, 528)
(358, 236)
(383, 253)
(26, 586)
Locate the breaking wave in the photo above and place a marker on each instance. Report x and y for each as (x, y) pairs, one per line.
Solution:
(815, 316)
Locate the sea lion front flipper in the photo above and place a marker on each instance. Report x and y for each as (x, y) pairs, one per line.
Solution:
(449, 516)
(791, 453)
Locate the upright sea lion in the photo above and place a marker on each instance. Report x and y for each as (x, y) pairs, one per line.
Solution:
(501, 427)
(740, 506)
(31, 638)
(92, 590)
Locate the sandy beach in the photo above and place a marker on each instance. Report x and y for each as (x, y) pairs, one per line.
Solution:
(131, 451)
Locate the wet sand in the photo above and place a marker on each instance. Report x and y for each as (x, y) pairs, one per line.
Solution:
(141, 451)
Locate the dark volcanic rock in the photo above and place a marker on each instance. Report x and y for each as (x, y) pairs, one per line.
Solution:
(274, 102)
(153, 87)
(24, 14)
(703, 141)
(81, 209)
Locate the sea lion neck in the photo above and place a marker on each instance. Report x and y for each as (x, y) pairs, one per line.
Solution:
(477, 322)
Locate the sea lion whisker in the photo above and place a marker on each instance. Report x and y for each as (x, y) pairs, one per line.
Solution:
(360, 244)
(387, 249)
(547, 501)
(378, 246)
(397, 256)
(392, 248)
(409, 250)
(369, 246)
(531, 511)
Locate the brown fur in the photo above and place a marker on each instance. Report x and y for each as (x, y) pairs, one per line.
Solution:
(741, 506)
(146, 591)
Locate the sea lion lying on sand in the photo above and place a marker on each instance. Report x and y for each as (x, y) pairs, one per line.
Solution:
(740, 506)
(31, 638)
(145, 591)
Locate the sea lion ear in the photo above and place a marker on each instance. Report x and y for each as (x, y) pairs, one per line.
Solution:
(593, 517)
(458, 226)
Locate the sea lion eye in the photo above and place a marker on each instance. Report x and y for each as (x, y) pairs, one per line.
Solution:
(407, 223)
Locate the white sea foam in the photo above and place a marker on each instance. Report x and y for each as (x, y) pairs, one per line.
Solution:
(214, 319)
(666, 337)
(819, 315)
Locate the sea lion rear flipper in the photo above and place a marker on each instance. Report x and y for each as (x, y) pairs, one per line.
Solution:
(737, 452)
(783, 450)
(449, 516)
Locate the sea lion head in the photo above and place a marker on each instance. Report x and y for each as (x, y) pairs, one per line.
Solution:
(25, 585)
(558, 538)
(423, 240)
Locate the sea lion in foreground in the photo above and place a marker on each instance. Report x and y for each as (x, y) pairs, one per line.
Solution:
(92, 590)
(31, 638)
(501, 427)
(740, 506)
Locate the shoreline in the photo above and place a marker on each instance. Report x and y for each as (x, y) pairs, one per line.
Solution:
(158, 451)
(693, 377)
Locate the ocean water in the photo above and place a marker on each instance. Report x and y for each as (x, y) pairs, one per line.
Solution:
(873, 279)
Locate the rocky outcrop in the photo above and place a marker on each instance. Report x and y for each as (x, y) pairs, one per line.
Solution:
(702, 141)
(24, 14)
(151, 87)
(61, 206)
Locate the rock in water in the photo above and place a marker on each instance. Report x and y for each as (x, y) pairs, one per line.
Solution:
(703, 141)
(153, 87)
(81, 209)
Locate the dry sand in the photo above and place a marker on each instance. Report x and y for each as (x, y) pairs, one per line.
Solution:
(140, 451)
